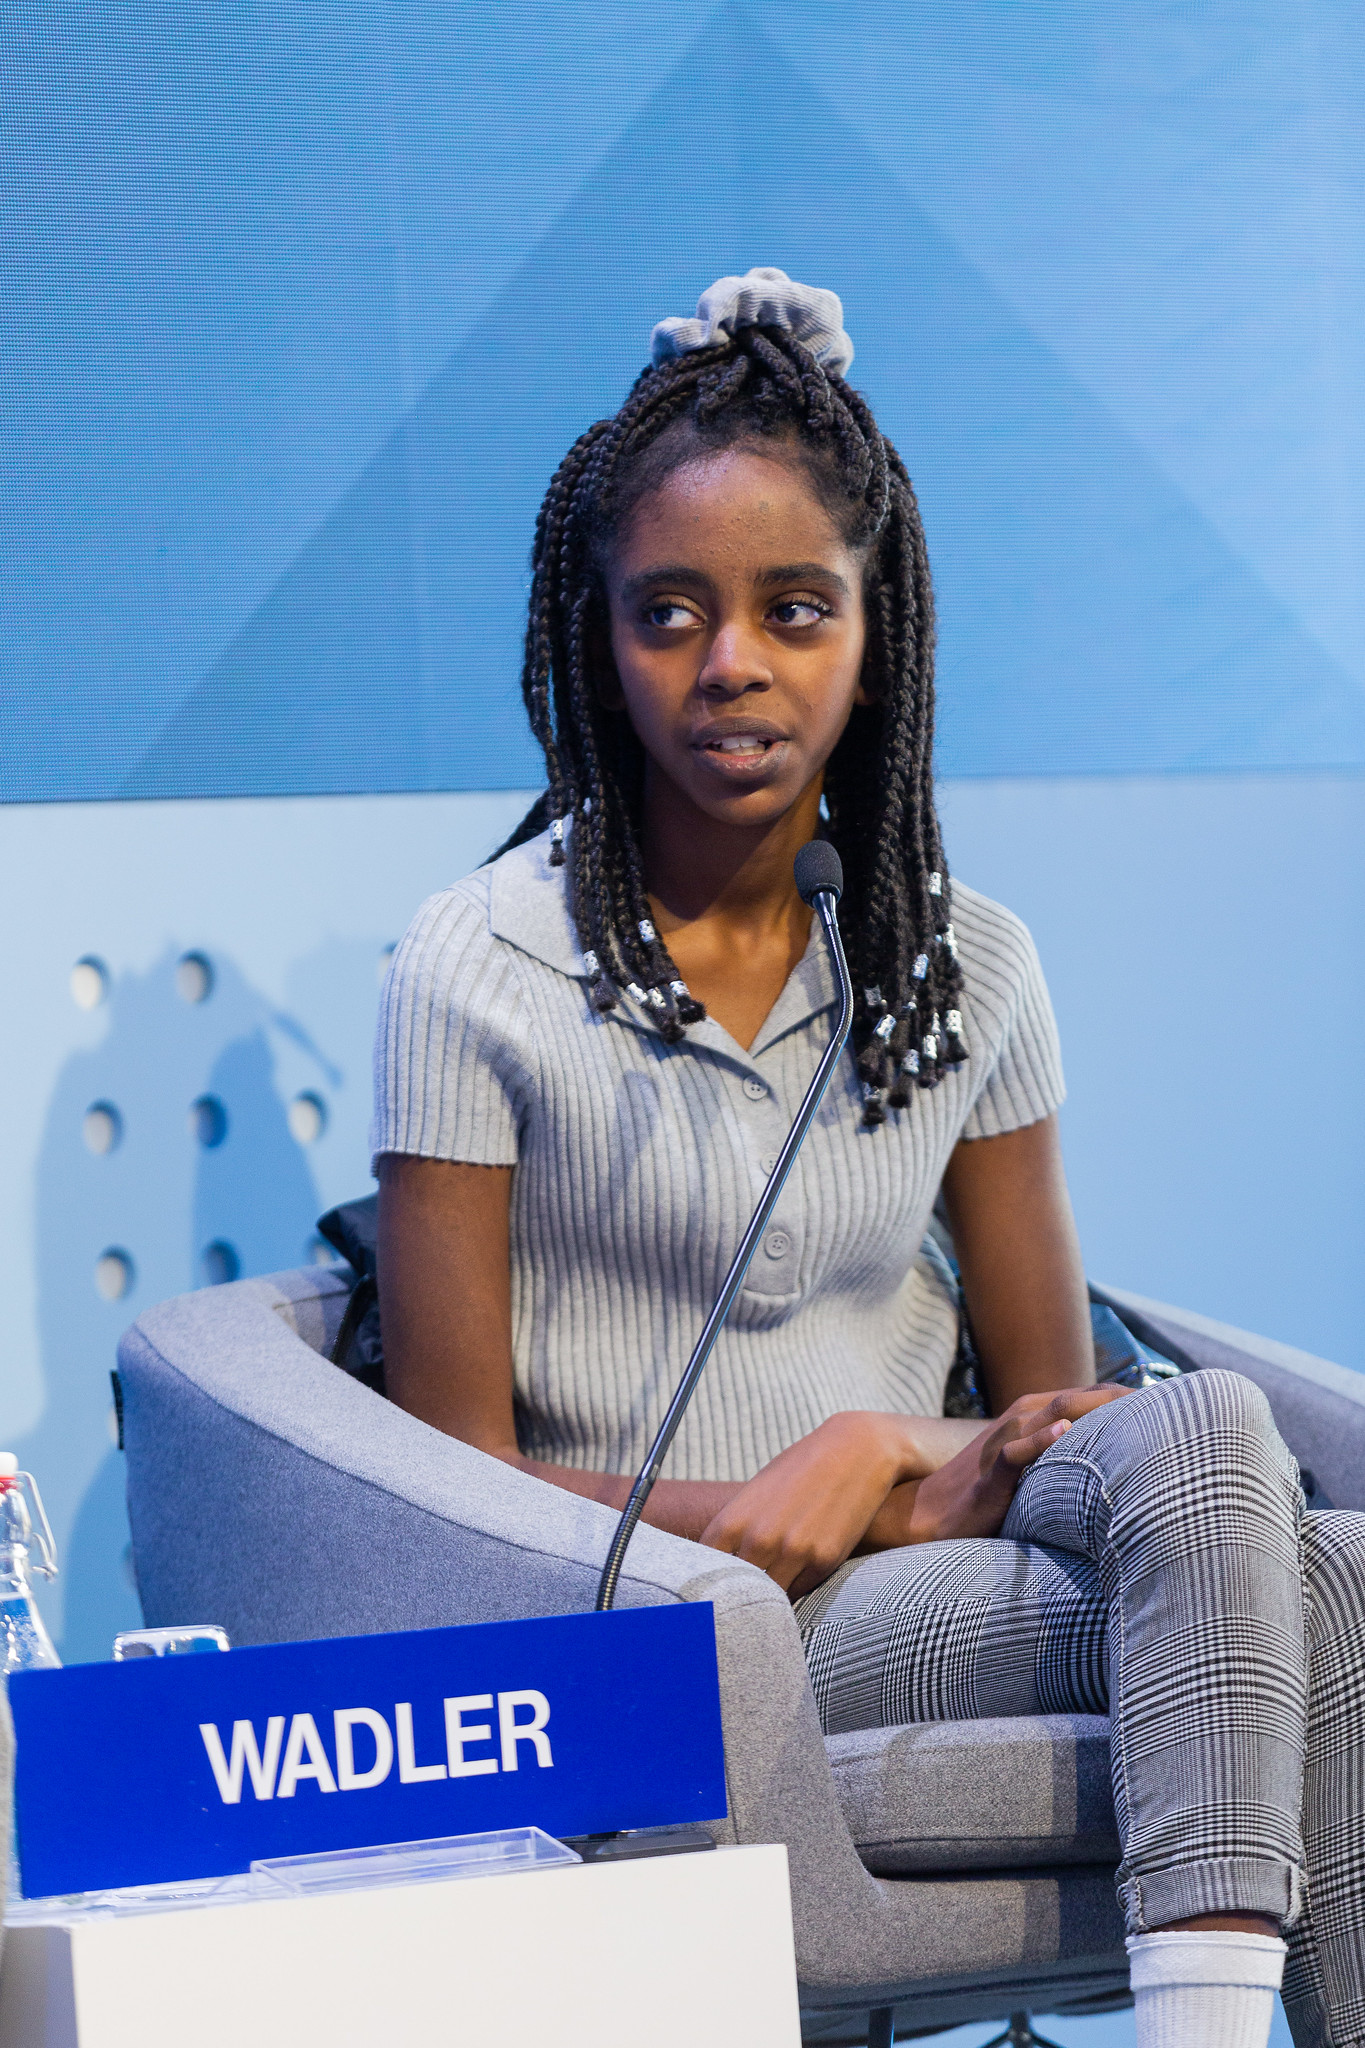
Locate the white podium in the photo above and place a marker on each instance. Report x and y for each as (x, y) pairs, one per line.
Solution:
(673, 1950)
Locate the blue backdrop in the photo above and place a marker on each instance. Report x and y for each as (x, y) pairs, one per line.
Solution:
(314, 298)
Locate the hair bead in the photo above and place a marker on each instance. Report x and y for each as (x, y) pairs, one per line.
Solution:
(921, 966)
(670, 1024)
(592, 966)
(907, 1077)
(873, 998)
(955, 1044)
(689, 1009)
(556, 842)
(885, 1026)
(936, 884)
(874, 1109)
(647, 931)
(634, 990)
(928, 1073)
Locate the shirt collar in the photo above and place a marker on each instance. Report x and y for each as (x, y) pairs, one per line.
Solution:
(528, 906)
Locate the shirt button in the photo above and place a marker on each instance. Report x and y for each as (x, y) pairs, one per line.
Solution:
(777, 1244)
(754, 1088)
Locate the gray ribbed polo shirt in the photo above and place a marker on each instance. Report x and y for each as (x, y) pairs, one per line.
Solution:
(639, 1163)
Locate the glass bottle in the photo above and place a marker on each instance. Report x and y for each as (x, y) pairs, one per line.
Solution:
(25, 1545)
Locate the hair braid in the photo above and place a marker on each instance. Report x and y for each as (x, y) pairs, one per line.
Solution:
(759, 385)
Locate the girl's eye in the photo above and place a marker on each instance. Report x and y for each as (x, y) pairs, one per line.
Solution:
(669, 617)
(799, 611)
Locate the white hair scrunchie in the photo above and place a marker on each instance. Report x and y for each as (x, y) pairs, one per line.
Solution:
(763, 298)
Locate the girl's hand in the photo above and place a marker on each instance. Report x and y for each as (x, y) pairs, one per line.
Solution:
(803, 1514)
(971, 1494)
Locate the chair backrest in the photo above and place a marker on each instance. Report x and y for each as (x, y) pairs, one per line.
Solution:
(1319, 1407)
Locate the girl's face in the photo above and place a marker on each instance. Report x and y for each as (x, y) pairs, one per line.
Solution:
(738, 633)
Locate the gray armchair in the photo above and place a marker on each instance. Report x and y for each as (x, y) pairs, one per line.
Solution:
(940, 1874)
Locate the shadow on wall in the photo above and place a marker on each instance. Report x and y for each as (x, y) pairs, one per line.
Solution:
(168, 1162)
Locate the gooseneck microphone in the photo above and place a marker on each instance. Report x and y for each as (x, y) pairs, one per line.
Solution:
(819, 882)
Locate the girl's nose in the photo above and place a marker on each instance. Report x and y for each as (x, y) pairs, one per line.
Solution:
(735, 662)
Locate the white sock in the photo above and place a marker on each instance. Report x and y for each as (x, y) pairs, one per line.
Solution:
(1205, 1990)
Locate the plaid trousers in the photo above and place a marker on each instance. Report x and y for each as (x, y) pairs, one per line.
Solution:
(1156, 1565)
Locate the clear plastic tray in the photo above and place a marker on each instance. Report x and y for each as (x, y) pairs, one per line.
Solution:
(65, 1911)
(450, 1856)
(342, 1870)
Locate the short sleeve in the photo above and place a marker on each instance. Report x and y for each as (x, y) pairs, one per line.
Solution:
(1004, 977)
(450, 1065)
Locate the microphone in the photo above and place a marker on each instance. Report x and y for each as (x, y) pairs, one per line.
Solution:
(820, 883)
(819, 870)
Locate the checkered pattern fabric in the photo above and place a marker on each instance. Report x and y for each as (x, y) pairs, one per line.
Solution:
(1156, 1564)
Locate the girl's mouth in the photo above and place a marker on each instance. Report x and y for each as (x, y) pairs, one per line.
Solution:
(742, 756)
(740, 745)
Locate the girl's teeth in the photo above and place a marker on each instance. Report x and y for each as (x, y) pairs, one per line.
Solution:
(740, 746)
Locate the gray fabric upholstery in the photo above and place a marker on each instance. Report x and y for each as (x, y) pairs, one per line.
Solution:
(1319, 1408)
(977, 1795)
(272, 1493)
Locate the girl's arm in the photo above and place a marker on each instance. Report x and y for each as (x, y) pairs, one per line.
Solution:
(1021, 1263)
(445, 1305)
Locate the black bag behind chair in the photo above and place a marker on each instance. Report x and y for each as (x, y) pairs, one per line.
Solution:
(352, 1228)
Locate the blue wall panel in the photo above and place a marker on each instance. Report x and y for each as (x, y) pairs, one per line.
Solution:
(314, 299)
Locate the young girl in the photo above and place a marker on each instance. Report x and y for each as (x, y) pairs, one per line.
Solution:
(589, 1054)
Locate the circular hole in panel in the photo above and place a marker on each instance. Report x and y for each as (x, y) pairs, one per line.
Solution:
(101, 1128)
(113, 1274)
(208, 1121)
(381, 965)
(307, 1118)
(89, 983)
(220, 1262)
(193, 977)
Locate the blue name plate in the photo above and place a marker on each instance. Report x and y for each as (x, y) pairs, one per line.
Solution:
(165, 1769)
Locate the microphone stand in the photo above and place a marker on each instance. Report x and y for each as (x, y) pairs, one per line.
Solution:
(824, 901)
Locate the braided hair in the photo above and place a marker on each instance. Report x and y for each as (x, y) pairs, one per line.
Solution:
(761, 386)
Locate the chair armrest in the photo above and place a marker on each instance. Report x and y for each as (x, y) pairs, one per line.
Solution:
(310, 1299)
(1319, 1407)
(274, 1494)
(240, 1437)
